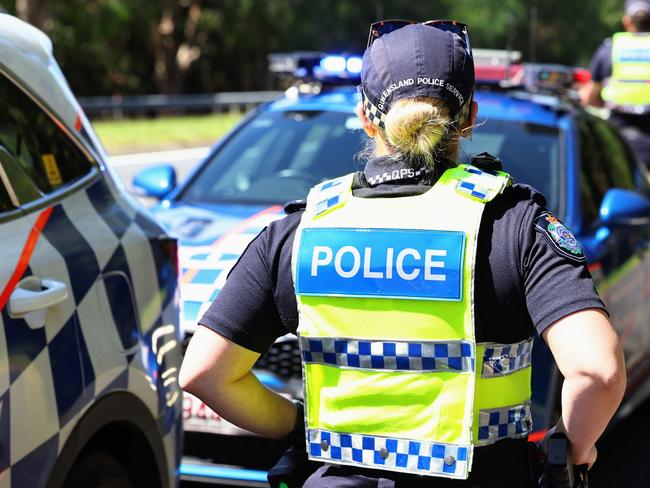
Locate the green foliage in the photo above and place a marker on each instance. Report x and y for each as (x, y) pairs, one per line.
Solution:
(136, 135)
(111, 47)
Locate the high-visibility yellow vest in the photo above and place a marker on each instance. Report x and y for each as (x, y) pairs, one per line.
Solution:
(629, 84)
(393, 376)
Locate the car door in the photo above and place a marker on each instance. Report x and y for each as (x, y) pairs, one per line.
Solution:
(619, 254)
(58, 261)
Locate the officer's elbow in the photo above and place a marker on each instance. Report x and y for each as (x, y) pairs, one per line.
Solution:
(194, 376)
(612, 377)
(189, 377)
(607, 375)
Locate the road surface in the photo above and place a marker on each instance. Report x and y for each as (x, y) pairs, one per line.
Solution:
(183, 161)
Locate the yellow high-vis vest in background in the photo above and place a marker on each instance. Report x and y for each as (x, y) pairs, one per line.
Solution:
(393, 376)
(629, 84)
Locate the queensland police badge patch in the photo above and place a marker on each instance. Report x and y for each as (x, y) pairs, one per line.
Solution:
(561, 238)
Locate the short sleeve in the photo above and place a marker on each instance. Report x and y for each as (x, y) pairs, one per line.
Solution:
(557, 282)
(244, 310)
(601, 63)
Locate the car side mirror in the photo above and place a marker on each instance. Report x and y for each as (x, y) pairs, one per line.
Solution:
(624, 207)
(155, 182)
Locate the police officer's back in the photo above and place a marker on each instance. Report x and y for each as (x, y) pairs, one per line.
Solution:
(415, 287)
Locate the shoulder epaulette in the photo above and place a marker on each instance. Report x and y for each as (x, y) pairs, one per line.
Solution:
(294, 206)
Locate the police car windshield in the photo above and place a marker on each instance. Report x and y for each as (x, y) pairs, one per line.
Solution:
(531, 153)
(278, 156)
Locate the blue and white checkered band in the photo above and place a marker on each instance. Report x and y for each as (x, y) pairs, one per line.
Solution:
(389, 263)
(455, 356)
(472, 189)
(499, 423)
(480, 184)
(373, 113)
(389, 453)
(503, 359)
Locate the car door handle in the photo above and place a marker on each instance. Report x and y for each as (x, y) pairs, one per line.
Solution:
(35, 294)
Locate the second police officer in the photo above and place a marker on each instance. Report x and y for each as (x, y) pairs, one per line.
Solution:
(416, 287)
(620, 72)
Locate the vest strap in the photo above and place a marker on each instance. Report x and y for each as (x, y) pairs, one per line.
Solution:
(503, 359)
(507, 422)
(389, 453)
(330, 195)
(429, 356)
(479, 184)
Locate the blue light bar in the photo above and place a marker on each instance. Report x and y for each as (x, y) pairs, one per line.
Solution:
(353, 64)
(333, 64)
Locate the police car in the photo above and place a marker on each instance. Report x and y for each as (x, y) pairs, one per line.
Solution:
(528, 120)
(89, 336)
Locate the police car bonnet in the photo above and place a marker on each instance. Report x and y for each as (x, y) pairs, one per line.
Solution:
(418, 61)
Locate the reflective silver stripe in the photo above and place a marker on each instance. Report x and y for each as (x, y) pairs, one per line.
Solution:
(389, 453)
(457, 356)
(502, 359)
(507, 422)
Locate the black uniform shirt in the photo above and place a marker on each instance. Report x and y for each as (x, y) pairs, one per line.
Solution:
(523, 282)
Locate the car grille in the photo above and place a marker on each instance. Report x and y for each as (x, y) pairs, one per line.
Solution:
(282, 358)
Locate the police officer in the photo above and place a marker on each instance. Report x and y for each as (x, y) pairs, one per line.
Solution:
(620, 71)
(415, 287)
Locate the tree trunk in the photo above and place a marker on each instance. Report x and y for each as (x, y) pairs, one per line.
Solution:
(32, 11)
(175, 47)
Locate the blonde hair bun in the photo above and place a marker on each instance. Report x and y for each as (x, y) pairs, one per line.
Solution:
(416, 126)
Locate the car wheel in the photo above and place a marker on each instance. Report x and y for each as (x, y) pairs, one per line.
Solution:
(98, 470)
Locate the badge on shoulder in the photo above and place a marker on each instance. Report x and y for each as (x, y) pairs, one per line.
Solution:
(561, 239)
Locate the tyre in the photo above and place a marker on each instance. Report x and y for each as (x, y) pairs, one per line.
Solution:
(98, 470)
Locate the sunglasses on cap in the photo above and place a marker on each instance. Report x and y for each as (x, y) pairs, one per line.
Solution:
(383, 27)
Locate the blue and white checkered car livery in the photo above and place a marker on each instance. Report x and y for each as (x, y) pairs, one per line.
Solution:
(502, 359)
(454, 356)
(501, 423)
(389, 453)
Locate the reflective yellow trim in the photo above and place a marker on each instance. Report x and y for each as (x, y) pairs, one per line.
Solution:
(501, 391)
(628, 84)
(398, 319)
(421, 406)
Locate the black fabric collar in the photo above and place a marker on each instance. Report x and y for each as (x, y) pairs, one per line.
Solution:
(382, 170)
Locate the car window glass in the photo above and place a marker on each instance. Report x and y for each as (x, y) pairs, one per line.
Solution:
(636, 177)
(593, 184)
(531, 153)
(43, 151)
(278, 157)
(5, 201)
(618, 167)
(605, 164)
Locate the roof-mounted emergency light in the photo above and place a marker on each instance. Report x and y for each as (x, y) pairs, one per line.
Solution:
(310, 67)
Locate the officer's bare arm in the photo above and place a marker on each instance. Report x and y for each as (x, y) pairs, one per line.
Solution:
(587, 351)
(590, 94)
(218, 371)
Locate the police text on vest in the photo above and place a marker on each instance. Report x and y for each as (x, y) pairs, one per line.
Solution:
(361, 264)
(380, 262)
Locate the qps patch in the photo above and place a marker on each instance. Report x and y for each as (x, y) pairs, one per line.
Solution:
(561, 239)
